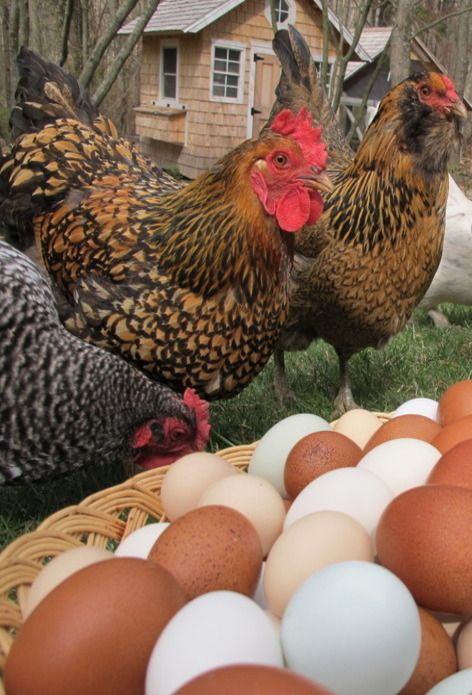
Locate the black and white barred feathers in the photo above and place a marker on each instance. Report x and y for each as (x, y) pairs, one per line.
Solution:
(66, 404)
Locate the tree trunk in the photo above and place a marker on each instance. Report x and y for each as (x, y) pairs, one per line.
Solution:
(125, 52)
(104, 41)
(400, 42)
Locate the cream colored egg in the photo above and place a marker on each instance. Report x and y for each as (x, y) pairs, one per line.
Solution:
(188, 477)
(312, 542)
(58, 569)
(464, 646)
(253, 497)
(358, 424)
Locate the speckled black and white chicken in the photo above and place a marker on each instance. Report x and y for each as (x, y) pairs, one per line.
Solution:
(66, 404)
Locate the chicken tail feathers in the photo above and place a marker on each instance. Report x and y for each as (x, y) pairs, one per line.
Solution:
(299, 86)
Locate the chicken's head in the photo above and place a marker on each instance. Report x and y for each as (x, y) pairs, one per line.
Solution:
(162, 440)
(439, 93)
(289, 177)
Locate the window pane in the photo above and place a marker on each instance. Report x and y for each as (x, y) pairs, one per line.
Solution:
(169, 56)
(170, 86)
(226, 72)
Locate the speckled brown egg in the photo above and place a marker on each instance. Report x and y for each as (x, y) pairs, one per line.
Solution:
(249, 679)
(211, 548)
(415, 426)
(455, 402)
(94, 632)
(315, 454)
(425, 537)
(454, 467)
(437, 659)
(453, 433)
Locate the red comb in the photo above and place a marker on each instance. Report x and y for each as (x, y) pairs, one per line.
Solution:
(300, 127)
(201, 408)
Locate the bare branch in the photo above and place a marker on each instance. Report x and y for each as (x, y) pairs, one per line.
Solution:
(439, 20)
(104, 41)
(124, 53)
(69, 11)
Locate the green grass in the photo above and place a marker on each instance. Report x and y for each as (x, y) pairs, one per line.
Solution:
(420, 361)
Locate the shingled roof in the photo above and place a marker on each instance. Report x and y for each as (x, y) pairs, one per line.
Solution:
(191, 16)
(187, 16)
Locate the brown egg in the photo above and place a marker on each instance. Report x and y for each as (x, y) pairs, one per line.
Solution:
(415, 426)
(95, 631)
(251, 679)
(452, 434)
(315, 454)
(211, 548)
(454, 467)
(424, 536)
(456, 402)
(437, 658)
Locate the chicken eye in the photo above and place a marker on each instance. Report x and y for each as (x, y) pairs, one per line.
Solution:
(280, 159)
(425, 91)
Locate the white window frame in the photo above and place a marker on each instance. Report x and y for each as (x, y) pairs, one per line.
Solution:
(230, 45)
(162, 99)
(291, 14)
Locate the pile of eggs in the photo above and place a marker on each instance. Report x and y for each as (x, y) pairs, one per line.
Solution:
(340, 563)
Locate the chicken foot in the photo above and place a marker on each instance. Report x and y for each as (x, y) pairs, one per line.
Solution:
(344, 401)
(283, 392)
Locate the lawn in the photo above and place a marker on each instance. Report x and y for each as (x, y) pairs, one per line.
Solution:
(420, 361)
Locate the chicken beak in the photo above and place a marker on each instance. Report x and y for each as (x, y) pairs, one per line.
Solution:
(320, 181)
(458, 109)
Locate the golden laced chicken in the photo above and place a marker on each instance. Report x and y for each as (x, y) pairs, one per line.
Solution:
(360, 271)
(189, 285)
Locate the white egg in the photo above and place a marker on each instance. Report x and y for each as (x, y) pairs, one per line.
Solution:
(269, 456)
(419, 406)
(402, 463)
(140, 542)
(355, 492)
(215, 629)
(458, 684)
(353, 627)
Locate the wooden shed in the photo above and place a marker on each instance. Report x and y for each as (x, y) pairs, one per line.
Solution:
(208, 74)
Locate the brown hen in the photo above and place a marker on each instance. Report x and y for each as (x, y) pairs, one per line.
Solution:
(363, 268)
(189, 285)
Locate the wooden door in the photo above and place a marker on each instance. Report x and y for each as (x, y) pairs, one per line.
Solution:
(266, 79)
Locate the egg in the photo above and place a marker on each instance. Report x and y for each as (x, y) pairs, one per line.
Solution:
(315, 454)
(454, 467)
(270, 454)
(353, 627)
(456, 402)
(419, 406)
(355, 492)
(425, 537)
(358, 424)
(437, 659)
(250, 679)
(211, 548)
(95, 631)
(187, 478)
(464, 645)
(411, 426)
(458, 684)
(58, 569)
(255, 498)
(312, 542)
(139, 542)
(216, 629)
(401, 463)
(453, 433)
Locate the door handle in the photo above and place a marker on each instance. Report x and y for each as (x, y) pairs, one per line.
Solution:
(254, 111)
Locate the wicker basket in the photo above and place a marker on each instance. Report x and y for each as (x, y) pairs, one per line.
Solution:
(101, 520)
